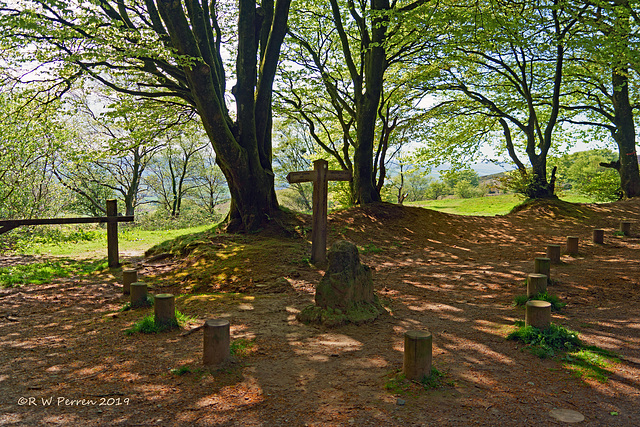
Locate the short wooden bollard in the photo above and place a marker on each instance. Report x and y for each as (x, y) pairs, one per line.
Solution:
(164, 310)
(572, 245)
(538, 314)
(553, 253)
(418, 347)
(625, 228)
(598, 236)
(536, 284)
(217, 341)
(542, 266)
(138, 292)
(129, 276)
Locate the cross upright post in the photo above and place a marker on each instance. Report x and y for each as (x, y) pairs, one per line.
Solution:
(320, 176)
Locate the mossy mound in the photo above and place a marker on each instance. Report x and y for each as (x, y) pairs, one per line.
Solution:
(555, 208)
(357, 314)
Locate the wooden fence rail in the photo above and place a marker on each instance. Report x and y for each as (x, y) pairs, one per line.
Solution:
(112, 219)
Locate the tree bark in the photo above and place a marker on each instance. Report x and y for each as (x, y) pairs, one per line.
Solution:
(625, 134)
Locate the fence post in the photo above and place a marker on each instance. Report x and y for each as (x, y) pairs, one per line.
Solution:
(112, 233)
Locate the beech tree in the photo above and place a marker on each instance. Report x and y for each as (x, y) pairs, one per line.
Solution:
(502, 65)
(340, 88)
(603, 80)
(172, 51)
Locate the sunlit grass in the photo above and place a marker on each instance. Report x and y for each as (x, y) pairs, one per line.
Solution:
(500, 204)
(43, 272)
(129, 240)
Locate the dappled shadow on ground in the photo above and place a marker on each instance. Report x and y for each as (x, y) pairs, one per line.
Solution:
(455, 276)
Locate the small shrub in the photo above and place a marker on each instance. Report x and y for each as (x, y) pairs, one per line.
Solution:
(548, 342)
(556, 304)
(147, 325)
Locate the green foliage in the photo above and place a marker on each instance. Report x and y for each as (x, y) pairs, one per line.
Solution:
(548, 342)
(147, 324)
(556, 304)
(45, 272)
(582, 173)
(370, 248)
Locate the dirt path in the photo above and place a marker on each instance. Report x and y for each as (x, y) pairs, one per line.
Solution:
(455, 276)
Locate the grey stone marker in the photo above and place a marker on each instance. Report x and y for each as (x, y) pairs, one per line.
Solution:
(217, 342)
(417, 355)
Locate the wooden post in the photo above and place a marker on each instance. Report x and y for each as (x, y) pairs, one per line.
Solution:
(417, 355)
(572, 245)
(320, 176)
(164, 310)
(543, 266)
(598, 236)
(138, 294)
(625, 228)
(112, 233)
(129, 276)
(536, 284)
(217, 341)
(553, 253)
(538, 314)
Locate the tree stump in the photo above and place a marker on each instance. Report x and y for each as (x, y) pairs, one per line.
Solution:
(542, 266)
(417, 355)
(138, 294)
(164, 310)
(538, 314)
(217, 341)
(536, 284)
(598, 236)
(572, 245)
(553, 253)
(129, 276)
(625, 228)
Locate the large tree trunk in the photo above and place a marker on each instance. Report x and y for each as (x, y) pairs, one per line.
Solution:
(625, 135)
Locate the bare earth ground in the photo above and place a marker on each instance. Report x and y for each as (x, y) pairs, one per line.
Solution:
(454, 276)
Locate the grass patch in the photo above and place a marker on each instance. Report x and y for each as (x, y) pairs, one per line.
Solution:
(186, 369)
(148, 325)
(129, 239)
(590, 362)
(241, 347)
(397, 383)
(556, 304)
(44, 272)
(583, 361)
(370, 248)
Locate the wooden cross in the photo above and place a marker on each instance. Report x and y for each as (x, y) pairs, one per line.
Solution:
(320, 176)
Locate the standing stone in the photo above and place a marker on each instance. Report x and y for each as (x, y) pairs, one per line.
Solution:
(418, 348)
(536, 284)
(553, 253)
(129, 276)
(572, 245)
(538, 314)
(345, 292)
(598, 236)
(216, 341)
(542, 266)
(164, 310)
